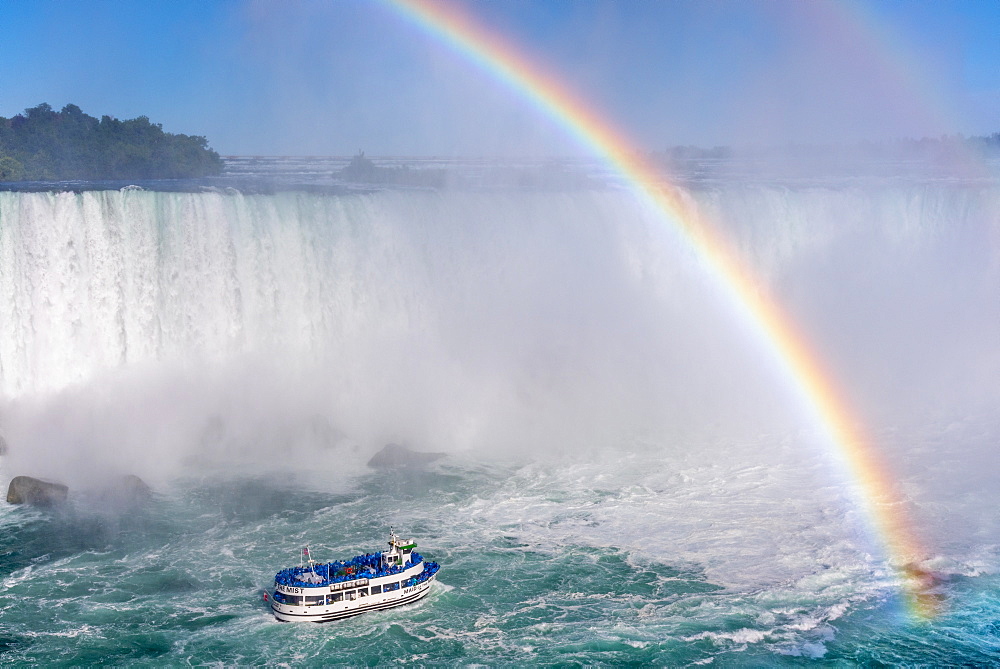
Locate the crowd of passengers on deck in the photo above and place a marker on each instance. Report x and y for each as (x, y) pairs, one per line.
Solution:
(370, 565)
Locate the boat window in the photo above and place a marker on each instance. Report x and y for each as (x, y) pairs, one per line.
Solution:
(362, 592)
(376, 589)
(314, 601)
(350, 595)
(291, 600)
(388, 587)
(335, 597)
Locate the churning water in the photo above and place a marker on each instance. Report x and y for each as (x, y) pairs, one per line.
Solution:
(628, 479)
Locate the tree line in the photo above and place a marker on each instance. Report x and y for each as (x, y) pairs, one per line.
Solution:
(47, 145)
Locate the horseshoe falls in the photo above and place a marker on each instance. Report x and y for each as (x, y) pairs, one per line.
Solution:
(628, 477)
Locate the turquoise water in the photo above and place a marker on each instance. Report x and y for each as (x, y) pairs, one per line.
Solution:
(533, 571)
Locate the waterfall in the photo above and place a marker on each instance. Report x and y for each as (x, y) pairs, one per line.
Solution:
(458, 318)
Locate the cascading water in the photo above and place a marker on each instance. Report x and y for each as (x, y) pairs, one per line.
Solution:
(623, 458)
(454, 320)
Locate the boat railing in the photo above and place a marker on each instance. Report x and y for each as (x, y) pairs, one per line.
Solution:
(371, 565)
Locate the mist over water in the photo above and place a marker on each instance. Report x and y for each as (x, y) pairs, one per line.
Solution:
(468, 319)
(597, 396)
(455, 321)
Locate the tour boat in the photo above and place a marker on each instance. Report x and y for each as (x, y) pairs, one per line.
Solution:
(321, 592)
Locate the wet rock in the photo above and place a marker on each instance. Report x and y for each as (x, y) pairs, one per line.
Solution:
(130, 488)
(394, 456)
(36, 492)
(115, 495)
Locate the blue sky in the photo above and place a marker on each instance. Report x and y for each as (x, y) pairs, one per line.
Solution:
(329, 78)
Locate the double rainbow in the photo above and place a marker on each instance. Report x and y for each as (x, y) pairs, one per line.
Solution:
(875, 490)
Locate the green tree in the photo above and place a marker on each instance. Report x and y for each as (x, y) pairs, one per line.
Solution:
(69, 144)
(10, 169)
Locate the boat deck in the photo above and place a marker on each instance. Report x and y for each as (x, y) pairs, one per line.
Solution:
(368, 566)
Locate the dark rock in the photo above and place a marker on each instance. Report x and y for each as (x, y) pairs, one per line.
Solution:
(132, 487)
(125, 490)
(28, 490)
(394, 456)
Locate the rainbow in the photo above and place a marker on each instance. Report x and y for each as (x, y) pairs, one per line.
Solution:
(875, 489)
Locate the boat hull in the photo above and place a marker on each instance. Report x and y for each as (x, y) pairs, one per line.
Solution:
(339, 610)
